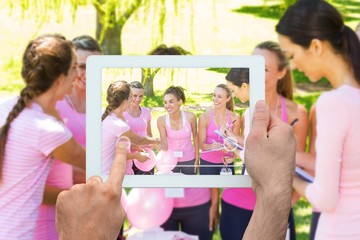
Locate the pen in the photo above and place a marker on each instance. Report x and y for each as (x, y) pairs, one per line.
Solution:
(231, 124)
(294, 122)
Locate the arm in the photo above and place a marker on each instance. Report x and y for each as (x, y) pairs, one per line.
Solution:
(203, 124)
(79, 175)
(214, 209)
(71, 152)
(193, 123)
(300, 128)
(141, 156)
(307, 160)
(140, 140)
(50, 194)
(95, 203)
(270, 161)
(324, 192)
(149, 132)
(162, 132)
(148, 129)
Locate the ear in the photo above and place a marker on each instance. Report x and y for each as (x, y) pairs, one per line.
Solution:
(281, 73)
(316, 47)
(245, 86)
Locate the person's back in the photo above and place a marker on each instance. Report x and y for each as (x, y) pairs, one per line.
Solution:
(25, 169)
(339, 207)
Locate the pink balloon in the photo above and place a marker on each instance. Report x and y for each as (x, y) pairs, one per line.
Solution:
(165, 161)
(148, 207)
(147, 165)
(124, 199)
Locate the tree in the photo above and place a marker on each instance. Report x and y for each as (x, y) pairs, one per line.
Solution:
(111, 15)
(148, 74)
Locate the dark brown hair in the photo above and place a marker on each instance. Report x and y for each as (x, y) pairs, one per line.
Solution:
(317, 19)
(177, 91)
(117, 93)
(44, 60)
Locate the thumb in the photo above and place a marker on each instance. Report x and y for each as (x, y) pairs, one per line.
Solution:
(261, 120)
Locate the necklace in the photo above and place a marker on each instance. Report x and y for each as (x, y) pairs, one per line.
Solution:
(77, 114)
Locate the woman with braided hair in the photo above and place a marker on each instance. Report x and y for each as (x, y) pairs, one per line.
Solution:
(114, 126)
(32, 134)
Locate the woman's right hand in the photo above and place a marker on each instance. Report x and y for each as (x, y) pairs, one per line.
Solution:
(142, 156)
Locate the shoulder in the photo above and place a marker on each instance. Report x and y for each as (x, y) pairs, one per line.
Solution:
(234, 115)
(205, 115)
(161, 119)
(190, 116)
(145, 110)
(294, 109)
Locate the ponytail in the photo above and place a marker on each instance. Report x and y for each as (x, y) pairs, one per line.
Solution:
(352, 50)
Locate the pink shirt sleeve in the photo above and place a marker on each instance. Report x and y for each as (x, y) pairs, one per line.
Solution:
(53, 134)
(332, 122)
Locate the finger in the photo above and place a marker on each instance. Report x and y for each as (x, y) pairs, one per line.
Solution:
(94, 180)
(118, 168)
(261, 120)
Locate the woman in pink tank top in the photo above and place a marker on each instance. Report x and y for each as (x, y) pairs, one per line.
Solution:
(220, 115)
(138, 118)
(238, 204)
(196, 212)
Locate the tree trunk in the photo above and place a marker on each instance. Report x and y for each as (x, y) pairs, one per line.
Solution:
(111, 44)
(148, 81)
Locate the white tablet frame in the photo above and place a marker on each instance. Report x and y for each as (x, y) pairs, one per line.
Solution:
(95, 64)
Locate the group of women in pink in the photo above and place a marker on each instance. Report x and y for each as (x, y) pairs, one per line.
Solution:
(53, 99)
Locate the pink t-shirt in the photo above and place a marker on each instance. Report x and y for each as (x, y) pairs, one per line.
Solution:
(112, 128)
(33, 135)
(215, 156)
(336, 188)
(245, 197)
(61, 174)
(139, 124)
(180, 140)
(193, 197)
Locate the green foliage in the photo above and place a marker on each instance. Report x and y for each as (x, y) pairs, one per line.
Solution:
(11, 70)
(348, 8)
(263, 11)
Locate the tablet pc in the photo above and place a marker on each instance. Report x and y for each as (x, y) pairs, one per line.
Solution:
(97, 71)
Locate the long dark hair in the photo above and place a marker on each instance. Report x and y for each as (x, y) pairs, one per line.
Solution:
(316, 19)
(44, 60)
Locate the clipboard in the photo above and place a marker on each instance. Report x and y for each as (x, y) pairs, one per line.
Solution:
(227, 139)
(304, 175)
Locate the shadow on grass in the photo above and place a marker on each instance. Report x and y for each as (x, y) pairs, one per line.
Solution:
(348, 8)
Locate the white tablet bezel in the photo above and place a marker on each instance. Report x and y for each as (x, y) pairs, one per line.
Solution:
(95, 64)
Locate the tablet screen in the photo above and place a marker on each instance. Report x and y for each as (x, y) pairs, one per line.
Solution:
(175, 165)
